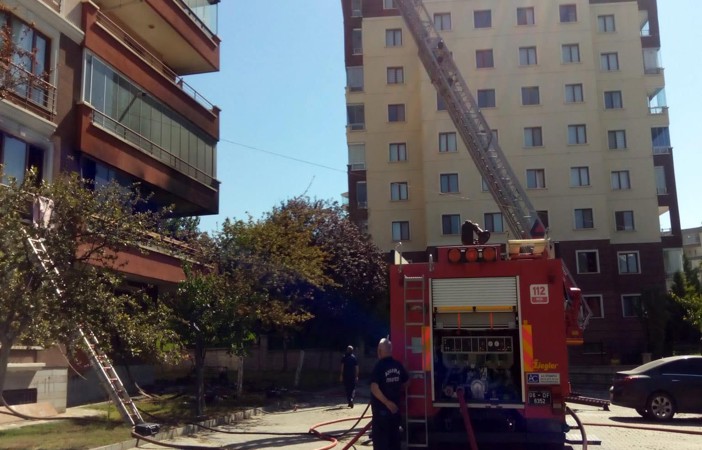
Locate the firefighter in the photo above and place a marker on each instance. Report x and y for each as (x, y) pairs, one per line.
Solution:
(349, 374)
(388, 380)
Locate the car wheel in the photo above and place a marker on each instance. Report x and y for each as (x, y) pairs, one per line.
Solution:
(660, 406)
(643, 412)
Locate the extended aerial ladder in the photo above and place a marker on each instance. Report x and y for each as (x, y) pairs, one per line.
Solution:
(489, 159)
(100, 362)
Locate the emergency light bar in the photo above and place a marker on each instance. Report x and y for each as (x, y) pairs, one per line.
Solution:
(473, 253)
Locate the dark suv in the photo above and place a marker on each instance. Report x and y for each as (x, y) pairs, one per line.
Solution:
(661, 388)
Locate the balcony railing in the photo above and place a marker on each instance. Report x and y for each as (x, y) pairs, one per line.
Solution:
(156, 151)
(662, 150)
(662, 190)
(151, 59)
(28, 90)
(653, 70)
(55, 4)
(655, 110)
(196, 9)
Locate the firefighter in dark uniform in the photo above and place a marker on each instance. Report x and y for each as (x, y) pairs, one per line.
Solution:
(349, 374)
(387, 384)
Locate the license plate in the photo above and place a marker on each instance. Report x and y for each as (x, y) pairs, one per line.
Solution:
(540, 398)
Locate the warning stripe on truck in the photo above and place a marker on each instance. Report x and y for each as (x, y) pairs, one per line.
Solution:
(527, 347)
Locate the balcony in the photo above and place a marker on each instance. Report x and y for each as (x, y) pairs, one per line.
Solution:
(151, 59)
(173, 29)
(151, 148)
(657, 110)
(662, 150)
(28, 90)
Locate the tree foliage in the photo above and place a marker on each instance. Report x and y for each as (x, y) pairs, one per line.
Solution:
(687, 292)
(83, 236)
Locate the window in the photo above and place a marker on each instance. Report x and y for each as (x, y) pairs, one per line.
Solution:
(616, 139)
(493, 222)
(594, 302)
(17, 157)
(356, 117)
(574, 93)
(482, 19)
(613, 100)
(583, 219)
(442, 21)
(30, 57)
(396, 75)
(362, 195)
(400, 231)
(570, 53)
(579, 176)
(356, 8)
(609, 61)
(484, 59)
(450, 224)
(536, 178)
(620, 180)
(354, 78)
(577, 134)
(483, 185)
(357, 41)
(588, 261)
(449, 183)
(660, 138)
(543, 216)
(568, 13)
(389, 4)
(624, 220)
(440, 103)
(393, 37)
(605, 23)
(530, 95)
(661, 184)
(631, 305)
(447, 142)
(486, 98)
(628, 262)
(398, 191)
(357, 156)
(396, 113)
(525, 16)
(532, 137)
(398, 152)
(527, 56)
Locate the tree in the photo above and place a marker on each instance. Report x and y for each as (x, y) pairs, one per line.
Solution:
(83, 235)
(210, 309)
(687, 292)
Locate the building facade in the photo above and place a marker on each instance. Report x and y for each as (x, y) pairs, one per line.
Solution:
(106, 97)
(692, 245)
(573, 91)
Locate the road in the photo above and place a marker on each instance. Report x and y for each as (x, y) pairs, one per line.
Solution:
(618, 429)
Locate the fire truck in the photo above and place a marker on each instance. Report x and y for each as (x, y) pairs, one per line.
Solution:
(483, 328)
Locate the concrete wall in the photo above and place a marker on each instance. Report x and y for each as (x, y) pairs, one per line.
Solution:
(88, 389)
(50, 383)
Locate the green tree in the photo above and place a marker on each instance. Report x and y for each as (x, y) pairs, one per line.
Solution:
(686, 324)
(211, 309)
(83, 236)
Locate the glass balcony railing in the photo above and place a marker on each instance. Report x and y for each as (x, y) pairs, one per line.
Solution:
(156, 151)
(204, 12)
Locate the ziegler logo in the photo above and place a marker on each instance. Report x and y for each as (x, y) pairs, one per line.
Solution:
(538, 365)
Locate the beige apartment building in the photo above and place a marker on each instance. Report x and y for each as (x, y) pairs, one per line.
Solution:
(574, 92)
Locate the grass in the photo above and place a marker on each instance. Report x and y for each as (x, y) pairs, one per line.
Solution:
(172, 410)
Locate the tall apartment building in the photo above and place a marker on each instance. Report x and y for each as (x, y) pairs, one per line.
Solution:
(106, 97)
(575, 95)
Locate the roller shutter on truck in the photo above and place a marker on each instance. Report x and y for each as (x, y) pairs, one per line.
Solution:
(474, 303)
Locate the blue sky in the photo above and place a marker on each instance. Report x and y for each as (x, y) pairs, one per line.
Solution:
(281, 91)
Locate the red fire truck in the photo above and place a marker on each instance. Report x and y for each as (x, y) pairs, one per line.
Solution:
(488, 323)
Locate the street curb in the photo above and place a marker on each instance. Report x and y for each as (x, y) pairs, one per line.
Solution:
(234, 417)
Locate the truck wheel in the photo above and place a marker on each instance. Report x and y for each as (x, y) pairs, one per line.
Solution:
(660, 406)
